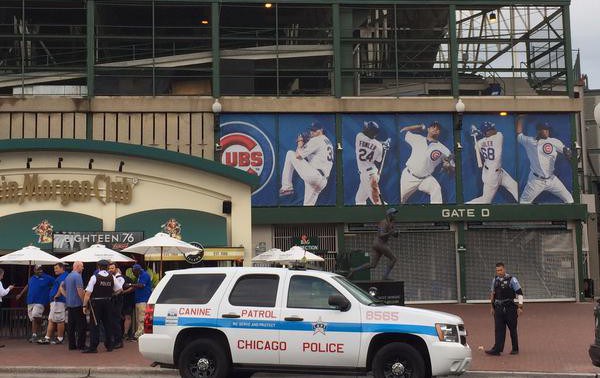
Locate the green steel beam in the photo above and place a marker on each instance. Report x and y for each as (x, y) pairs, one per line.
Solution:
(90, 45)
(216, 48)
(420, 213)
(461, 249)
(580, 263)
(90, 61)
(337, 51)
(574, 164)
(453, 51)
(566, 16)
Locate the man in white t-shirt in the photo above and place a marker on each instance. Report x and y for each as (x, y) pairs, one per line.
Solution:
(3, 292)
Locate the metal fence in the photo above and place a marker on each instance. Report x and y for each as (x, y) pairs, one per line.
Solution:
(14, 323)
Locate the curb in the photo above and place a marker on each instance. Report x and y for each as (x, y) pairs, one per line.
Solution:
(87, 371)
(519, 374)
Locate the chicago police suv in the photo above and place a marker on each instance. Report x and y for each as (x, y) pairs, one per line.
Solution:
(230, 322)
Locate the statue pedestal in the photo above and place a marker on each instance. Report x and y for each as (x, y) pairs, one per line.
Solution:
(391, 292)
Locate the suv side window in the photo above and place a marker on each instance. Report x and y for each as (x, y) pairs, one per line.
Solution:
(190, 288)
(255, 290)
(310, 292)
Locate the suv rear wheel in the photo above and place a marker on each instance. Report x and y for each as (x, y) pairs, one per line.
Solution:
(204, 358)
(397, 360)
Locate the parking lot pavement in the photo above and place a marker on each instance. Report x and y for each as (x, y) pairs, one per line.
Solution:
(553, 337)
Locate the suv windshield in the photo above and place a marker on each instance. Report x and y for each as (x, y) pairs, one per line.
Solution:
(358, 293)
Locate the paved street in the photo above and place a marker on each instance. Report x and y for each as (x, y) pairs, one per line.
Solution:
(554, 337)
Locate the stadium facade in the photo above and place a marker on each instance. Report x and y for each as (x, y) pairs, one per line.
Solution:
(183, 85)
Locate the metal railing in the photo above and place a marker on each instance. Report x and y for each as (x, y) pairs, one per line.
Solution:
(14, 323)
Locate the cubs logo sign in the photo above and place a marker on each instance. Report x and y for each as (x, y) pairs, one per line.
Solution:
(547, 148)
(247, 148)
(435, 154)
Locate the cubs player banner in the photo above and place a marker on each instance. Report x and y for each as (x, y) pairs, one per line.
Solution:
(293, 155)
(516, 159)
(398, 158)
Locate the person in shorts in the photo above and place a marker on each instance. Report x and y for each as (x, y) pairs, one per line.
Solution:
(38, 293)
(56, 318)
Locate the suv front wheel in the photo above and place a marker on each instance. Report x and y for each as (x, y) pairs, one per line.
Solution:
(397, 360)
(204, 358)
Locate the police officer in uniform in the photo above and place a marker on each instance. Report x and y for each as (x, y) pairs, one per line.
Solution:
(505, 288)
(98, 303)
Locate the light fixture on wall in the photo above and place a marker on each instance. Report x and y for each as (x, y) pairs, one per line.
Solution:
(121, 164)
(218, 147)
(217, 107)
(28, 165)
(90, 163)
(339, 146)
(460, 106)
(268, 5)
(492, 17)
(458, 146)
(60, 160)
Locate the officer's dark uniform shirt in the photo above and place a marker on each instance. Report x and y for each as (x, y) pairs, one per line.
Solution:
(505, 288)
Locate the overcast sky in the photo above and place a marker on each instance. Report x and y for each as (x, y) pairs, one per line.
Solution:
(585, 36)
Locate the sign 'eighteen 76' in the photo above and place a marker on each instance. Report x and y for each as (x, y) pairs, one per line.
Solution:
(33, 188)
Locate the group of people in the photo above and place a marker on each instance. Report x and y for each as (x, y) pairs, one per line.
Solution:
(107, 302)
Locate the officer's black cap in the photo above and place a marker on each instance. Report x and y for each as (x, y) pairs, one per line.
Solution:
(103, 263)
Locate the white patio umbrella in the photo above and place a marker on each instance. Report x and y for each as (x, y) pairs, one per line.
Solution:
(295, 254)
(161, 243)
(95, 253)
(265, 256)
(29, 255)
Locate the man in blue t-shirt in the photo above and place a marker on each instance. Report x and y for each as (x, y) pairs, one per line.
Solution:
(56, 318)
(143, 289)
(73, 291)
(38, 293)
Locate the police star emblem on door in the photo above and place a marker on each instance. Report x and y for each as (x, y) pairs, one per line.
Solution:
(319, 326)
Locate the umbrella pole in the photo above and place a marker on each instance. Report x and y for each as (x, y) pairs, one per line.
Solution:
(161, 262)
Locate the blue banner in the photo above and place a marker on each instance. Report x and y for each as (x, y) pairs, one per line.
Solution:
(306, 165)
(492, 177)
(248, 143)
(370, 158)
(544, 168)
(426, 158)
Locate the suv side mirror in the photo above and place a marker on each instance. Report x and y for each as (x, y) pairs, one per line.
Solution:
(339, 302)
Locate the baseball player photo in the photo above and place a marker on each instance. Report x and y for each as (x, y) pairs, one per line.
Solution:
(370, 156)
(427, 153)
(542, 152)
(488, 144)
(312, 161)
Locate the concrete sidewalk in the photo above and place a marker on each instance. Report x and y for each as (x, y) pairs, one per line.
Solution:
(553, 338)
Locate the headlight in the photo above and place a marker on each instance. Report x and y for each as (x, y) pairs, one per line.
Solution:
(447, 332)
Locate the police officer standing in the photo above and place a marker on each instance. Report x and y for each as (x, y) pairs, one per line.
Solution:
(505, 288)
(98, 303)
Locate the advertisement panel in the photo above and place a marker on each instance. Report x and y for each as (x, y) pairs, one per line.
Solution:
(544, 165)
(370, 159)
(489, 164)
(521, 158)
(75, 241)
(426, 158)
(248, 143)
(307, 146)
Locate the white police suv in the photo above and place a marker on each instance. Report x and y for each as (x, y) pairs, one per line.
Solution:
(231, 322)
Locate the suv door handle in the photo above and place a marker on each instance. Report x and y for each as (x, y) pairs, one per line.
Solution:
(230, 315)
(293, 319)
